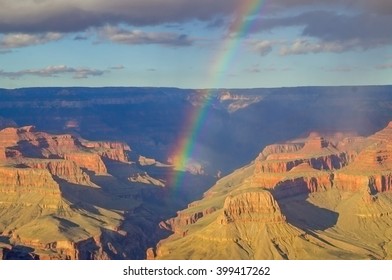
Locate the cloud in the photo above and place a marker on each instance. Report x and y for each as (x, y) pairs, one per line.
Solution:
(253, 69)
(256, 68)
(29, 16)
(372, 6)
(138, 37)
(262, 47)
(336, 32)
(19, 40)
(117, 67)
(54, 71)
(80, 37)
(342, 69)
(370, 30)
(384, 66)
(32, 22)
(378, 6)
(304, 46)
(39, 16)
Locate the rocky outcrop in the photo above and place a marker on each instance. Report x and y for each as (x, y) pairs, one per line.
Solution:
(144, 161)
(144, 178)
(27, 180)
(315, 143)
(2, 154)
(252, 206)
(30, 143)
(185, 218)
(280, 149)
(315, 152)
(279, 164)
(56, 250)
(27, 187)
(116, 151)
(89, 161)
(303, 185)
(384, 134)
(361, 182)
(9, 136)
(65, 169)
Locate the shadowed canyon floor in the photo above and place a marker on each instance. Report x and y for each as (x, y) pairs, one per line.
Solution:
(87, 173)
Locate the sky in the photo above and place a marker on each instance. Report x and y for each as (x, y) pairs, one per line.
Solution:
(195, 43)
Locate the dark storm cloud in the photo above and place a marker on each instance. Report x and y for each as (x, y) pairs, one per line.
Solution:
(75, 15)
(333, 32)
(39, 16)
(378, 6)
(368, 6)
(341, 24)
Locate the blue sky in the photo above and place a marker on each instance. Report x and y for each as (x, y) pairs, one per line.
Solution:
(181, 43)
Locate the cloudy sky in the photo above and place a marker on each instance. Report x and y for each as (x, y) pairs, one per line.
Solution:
(195, 43)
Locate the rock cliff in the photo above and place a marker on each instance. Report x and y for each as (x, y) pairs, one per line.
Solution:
(89, 161)
(64, 169)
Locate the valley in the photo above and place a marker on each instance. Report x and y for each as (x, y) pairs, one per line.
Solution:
(289, 173)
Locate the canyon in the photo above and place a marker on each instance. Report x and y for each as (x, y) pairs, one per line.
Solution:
(291, 173)
(59, 199)
(311, 198)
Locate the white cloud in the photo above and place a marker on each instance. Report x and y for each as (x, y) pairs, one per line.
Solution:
(54, 71)
(262, 47)
(19, 40)
(137, 37)
(305, 46)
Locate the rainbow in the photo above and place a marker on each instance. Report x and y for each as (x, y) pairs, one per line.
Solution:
(241, 26)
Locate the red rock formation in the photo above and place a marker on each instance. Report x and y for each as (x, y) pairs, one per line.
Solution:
(351, 182)
(9, 137)
(2, 154)
(315, 144)
(150, 254)
(252, 206)
(185, 218)
(56, 250)
(22, 180)
(112, 150)
(44, 144)
(280, 149)
(301, 185)
(383, 135)
(64, 169)
(381, 182)
(90, 161)
(372, 168)
(282, 163)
